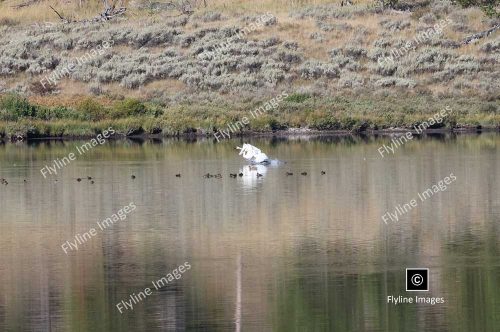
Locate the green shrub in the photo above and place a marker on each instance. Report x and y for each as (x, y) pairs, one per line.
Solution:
(323, 122)
(14, 107)
(128, 107)
(490, 11)
(60, 112)
(348, 123)
(488, 6)
(265, 123)
(153, 126)
(91, 109)
(23, 128)
(55, 129)
(471, 3)
(154, 110)
(297, 97)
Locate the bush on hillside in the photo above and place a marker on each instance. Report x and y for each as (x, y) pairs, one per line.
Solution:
(13, 107)
(128, 107)
(488, 6)
(91, 109)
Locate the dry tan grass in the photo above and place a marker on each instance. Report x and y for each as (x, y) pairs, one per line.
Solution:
(72, 89)
(250, 6)
(66, 100)
(171, 86)
(288, 29)
(40, 12)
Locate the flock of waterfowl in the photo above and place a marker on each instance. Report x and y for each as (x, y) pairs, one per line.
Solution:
(88, 178)
(235, 175)
(208, 175)
(248, 152)
(5, 182)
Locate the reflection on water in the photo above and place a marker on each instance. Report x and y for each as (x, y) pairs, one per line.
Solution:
(252, 175)
(270, 253)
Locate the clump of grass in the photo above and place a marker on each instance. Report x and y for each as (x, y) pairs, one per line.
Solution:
(153, 126)
(58, 113)
(321, 120)
(129, 126)
(38, 88)
(9, 22)
(298, 97)
(266, 123)
(210, 16)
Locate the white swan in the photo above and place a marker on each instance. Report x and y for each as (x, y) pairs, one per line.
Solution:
(253, 154)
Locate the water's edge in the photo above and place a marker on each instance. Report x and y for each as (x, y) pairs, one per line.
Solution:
(292, 132)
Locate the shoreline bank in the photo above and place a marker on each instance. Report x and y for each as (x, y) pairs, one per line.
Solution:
(297, 114)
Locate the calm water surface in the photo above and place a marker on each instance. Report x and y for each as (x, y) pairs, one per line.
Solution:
(275, 253)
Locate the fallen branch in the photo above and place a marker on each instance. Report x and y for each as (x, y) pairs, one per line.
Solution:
(480, 35)
(108, 14)
(60, 16)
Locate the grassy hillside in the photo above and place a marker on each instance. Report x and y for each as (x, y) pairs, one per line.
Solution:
(205, 69)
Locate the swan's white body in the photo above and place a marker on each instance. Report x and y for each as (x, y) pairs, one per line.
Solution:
(253, 154)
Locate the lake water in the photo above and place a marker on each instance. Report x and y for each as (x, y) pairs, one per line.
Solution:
(274, 253)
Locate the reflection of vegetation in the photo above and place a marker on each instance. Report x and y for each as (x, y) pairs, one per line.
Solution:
(329, 297)
(473, 275)
(312, 298)
(203, 302)
(174, 149)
